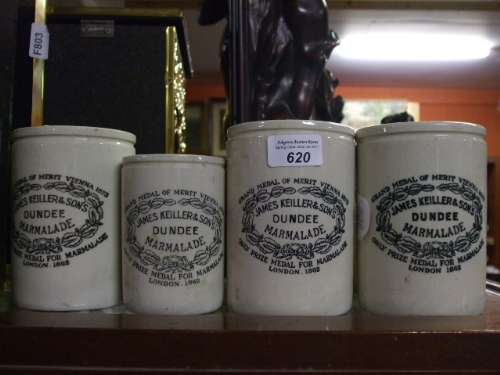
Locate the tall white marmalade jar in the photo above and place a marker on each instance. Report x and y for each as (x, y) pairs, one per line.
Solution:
(290, 217)
(173, 233)
(65, 239)
(422, 218)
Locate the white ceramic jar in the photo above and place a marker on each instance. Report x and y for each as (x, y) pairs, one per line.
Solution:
(290, 217)
(173, 233)
(422, 218)
(66, 206)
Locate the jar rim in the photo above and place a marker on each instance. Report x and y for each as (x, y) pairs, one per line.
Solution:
(421, 127)
(72, 130)
(290, 124)
(174, 158)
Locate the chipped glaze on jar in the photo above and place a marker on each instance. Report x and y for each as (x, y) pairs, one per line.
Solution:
(290, 217)
(173, 233)
(422, 218)
(65, 243)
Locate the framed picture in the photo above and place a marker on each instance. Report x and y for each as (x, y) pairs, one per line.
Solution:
(216, 111)
(361, 113)
(196, 129)
(135, 62)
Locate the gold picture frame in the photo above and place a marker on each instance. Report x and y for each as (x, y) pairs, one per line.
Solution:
(177, 61)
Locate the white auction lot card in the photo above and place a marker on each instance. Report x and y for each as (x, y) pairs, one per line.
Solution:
(294, 150)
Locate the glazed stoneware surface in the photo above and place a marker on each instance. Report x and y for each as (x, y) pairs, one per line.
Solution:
(290, 218)
(173, 233)
(66, 205)
(422, 218)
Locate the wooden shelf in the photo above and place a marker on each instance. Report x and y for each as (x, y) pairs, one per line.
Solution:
(113, 341)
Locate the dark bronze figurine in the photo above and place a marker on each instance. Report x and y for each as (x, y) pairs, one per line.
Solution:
(288, 45)
(398, 117)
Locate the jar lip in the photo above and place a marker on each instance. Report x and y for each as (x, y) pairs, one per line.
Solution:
(420, 127)
(174, 158)
(290, 124)
(72, 130)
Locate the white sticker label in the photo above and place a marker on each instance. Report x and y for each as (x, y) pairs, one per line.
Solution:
(39, 41)
(294, 150)
(363, 216)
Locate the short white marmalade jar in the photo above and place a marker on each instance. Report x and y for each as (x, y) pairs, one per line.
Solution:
(173, 222)
(290, 217)
(65, 239)
(422, 218)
